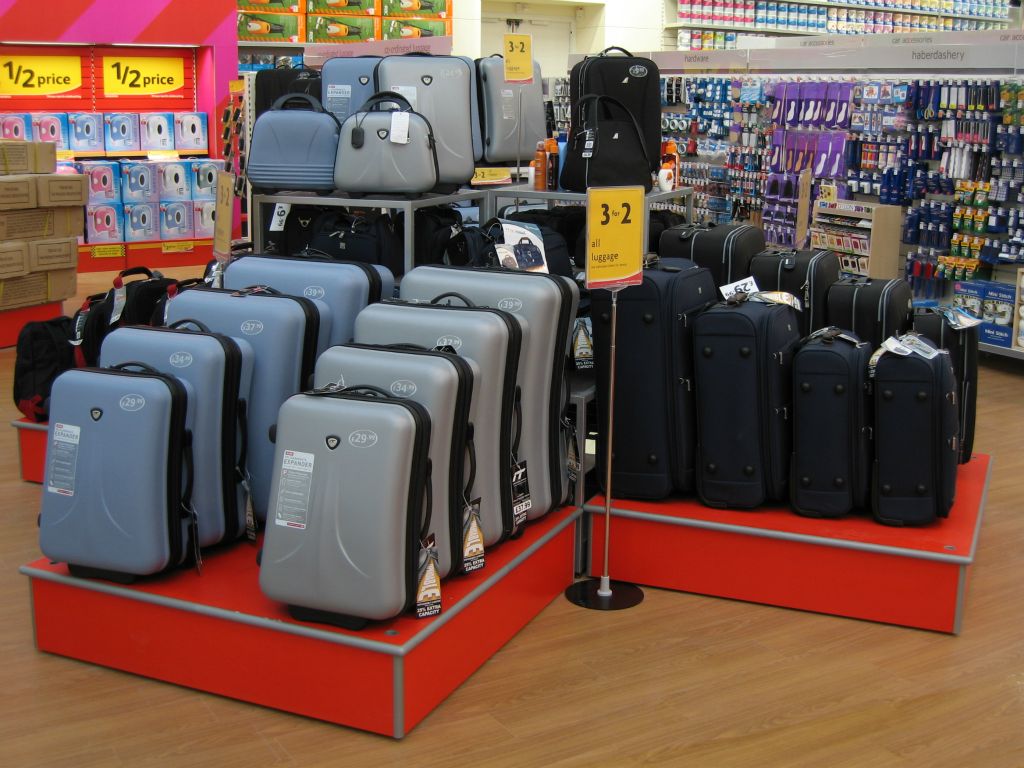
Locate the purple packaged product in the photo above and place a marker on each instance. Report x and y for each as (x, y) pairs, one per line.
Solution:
(828, 116)
(838, 151)
(806, 105)
(777, 91)
(819, 94)
(792, 106)
(778, 146)
(843, 107)
(790, 152)
(822, 155)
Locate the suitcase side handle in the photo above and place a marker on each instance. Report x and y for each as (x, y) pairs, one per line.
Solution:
(452, 295)
(190, 321)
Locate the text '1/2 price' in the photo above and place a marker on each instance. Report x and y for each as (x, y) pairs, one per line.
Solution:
(39, 75)
(142, 75)
(615, 244)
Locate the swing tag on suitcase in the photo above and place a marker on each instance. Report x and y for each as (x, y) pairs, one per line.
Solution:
(521, 503)
(428, 583)
(472, 538)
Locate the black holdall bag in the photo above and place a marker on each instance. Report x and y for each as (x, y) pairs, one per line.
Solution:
(606, 148)
(44, 351)
(633, 81)
(948, 329)
(433, 230)
(472, 247)
(272, 84)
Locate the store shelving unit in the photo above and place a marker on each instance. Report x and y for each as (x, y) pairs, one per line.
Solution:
(1011, 352)
(876, 226)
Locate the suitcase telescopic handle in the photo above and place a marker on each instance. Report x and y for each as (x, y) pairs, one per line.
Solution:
(134, 364)
(452, 295)
(386, 97)
(190, 321)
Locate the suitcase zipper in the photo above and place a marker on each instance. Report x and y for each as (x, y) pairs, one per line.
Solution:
(883, 309)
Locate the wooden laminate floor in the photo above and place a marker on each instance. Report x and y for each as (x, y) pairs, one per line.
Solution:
(681, 680)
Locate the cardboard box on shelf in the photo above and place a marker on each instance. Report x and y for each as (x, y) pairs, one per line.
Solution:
(271, 6)
(994, 303)
(53, 190)
(272, 27)
(411, 28)
(342, 29)
(421, 9)
(17, 192)
(343, 8)
(13, 259)
(41, 222)
(27, 157)
(38, 288)
(58, 253)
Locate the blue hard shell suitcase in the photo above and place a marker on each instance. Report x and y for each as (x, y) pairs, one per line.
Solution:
(440, 89)
(347, 84)
(219, 368)
(283, 332)
(293, 149)
(118, 479)
(346, 287)
(442, 382)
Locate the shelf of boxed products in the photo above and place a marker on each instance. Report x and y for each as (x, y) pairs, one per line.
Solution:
(871, 251)
(1014, 352)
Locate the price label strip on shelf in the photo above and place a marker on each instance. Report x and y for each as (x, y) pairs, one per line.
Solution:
(39, 75)
(518, 53)
(615, 236)
(142, 75)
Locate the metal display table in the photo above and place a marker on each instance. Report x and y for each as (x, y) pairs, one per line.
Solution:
(527, 192)
(405, 205)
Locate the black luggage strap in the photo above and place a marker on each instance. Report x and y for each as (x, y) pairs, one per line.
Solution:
(471, 449)
(517, 413)
(428, 504)
(187, 510)
(242, 471)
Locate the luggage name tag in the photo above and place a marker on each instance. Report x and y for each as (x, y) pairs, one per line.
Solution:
(120, 295)
(778, 297)
(521, 503)
(399, 133)
(62, 457)
(277, 221)
(428, 583)
(918, 347)
(747, 285)
(472, 538)
(583, 345)
(508, 107)
(588, 143)
(959, 318)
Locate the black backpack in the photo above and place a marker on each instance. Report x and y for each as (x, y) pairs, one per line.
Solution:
(44, 351)
(606, 148)
(472, 247)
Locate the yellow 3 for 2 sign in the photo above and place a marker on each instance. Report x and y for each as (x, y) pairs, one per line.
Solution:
(615, 236)
(39, 75)
(142, 75)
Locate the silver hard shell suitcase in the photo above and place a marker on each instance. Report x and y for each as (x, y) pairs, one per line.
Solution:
(350, 506)
(545, 305)
(511, 114)
(443, 384)
(440, 89)
(116, 492)
(347, 83)
(369, 161)
(293, 149)
(474, 110)
(219, 368)
(283, 332)
(491, 339)
(346, 287)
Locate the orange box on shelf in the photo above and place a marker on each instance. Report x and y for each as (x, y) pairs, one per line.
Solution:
(343, 8)
(412, 28)
(420, 9)
(271, 6)
(342, 29)
(272, 27)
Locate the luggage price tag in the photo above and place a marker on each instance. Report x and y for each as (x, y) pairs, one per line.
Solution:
(777, 297)
(120, 294)
(428, 583)
(472, 538)
(280, 216)
(399, 133)
(521, 503)
(747, 285)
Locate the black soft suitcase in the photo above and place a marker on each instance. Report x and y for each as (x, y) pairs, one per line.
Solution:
(805, 274)
(725, 249)
(633, 81)
(831, 468)
(962, 344)
(916, 426)
(743, 350)
(872, 309)
(654, 430)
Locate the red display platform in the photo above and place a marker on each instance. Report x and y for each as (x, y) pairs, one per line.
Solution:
(853, 567)
(13, 320)
(31, 449)
(385, 678)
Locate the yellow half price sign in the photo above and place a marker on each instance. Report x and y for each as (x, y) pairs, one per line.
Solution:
(518, 53)
(39, 75)
(142, 75)
(223, 216)
(615, 237)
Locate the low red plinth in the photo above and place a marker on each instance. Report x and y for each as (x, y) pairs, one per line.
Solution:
(385, 678)
(31, 449)
(852, 567)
